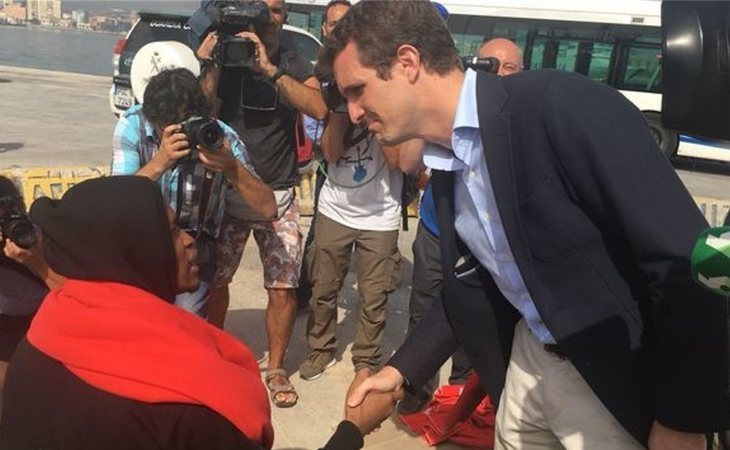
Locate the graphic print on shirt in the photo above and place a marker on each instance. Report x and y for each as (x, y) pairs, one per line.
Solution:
(357, 140)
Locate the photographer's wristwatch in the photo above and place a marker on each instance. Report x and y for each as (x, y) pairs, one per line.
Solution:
(279, 72)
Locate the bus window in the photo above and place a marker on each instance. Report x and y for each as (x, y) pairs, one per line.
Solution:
(567, 55)
(600, 62)
(536, 56)
(512, 30)
(469, 32)
(643, 69)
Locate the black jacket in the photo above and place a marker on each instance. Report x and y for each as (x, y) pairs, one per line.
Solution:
(602, 231)
(47, 406)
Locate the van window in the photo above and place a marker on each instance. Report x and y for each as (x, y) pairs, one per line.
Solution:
(301, 43)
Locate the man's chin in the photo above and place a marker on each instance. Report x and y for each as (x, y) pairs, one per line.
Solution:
(388, 141)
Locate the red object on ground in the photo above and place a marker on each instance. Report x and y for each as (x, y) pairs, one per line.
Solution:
(451, 403)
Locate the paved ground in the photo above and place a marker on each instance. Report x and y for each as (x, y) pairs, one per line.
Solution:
(52, 119)
(308, 424)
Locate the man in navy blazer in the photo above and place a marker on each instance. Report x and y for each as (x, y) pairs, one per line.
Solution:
(566, 239)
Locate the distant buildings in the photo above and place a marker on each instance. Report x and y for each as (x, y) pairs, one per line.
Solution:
(79, 16)
(50, 13)
(14, 13)
(44, 11)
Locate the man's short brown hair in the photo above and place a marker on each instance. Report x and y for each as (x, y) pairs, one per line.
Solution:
(380, 27)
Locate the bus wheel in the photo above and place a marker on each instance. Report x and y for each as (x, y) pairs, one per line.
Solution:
(665, 139)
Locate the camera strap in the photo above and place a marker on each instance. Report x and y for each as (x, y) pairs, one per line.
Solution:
(189, 214)
(205, 191)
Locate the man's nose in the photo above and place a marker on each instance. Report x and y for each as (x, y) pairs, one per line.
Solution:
(355, 111)
(188, 239)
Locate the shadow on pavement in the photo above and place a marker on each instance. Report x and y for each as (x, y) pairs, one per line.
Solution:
(10, 146)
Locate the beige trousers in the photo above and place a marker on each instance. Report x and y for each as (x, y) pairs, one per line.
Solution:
(546, 404)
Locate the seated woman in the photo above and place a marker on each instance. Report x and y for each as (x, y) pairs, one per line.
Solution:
(108, 361)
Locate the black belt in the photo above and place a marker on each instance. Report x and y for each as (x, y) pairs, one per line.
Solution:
(555, 350)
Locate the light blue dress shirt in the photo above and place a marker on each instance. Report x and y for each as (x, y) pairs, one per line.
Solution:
(477, 220)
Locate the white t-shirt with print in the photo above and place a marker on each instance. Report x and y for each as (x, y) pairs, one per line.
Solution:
(360, 191)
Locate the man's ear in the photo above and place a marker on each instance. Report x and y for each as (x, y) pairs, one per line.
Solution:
(408, 59)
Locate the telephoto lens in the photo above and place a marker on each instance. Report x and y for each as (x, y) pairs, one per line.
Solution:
(17, 227)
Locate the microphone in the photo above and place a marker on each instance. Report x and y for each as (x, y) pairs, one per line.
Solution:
(711, 260)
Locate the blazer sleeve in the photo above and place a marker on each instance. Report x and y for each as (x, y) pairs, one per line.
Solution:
(429, 344)
(622, 180)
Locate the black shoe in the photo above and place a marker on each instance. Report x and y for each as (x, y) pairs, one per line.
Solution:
(412, 404)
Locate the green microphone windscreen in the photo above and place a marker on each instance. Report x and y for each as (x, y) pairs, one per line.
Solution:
(711, 260)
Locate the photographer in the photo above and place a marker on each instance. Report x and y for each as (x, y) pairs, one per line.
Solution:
(159, 140)
(261, 99)
(24, 275)
(358, 214)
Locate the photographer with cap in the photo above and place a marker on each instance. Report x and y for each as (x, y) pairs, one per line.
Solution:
(25, 277)
(260, 97)
(196, 159)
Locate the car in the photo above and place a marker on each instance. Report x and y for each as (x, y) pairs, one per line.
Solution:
(163, 27)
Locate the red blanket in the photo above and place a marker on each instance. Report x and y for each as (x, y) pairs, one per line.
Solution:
(477, 431)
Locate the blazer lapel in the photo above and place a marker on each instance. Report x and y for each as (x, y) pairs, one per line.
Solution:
(495, 133)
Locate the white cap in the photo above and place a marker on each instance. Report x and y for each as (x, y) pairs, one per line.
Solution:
(155, 57)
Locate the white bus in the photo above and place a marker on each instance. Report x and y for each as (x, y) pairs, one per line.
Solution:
(615, 42)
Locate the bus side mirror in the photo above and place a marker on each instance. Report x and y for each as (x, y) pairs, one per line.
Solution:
(696, 67)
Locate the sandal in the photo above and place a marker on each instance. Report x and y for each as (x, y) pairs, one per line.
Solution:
(277, 390)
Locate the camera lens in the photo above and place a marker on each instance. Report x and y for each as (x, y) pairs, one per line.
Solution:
(239, 52)
(22, 233)
(211, 136)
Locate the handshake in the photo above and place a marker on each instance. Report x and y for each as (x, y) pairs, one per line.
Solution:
(372, 398)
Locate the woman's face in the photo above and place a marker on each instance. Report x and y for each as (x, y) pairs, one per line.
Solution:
(186, 255)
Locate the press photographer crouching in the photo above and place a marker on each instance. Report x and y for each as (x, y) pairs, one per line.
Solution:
(171, 139)
(24, 275)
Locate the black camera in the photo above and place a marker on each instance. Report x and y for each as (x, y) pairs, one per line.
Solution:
(230, 18)
(234, 51)
(203, 131)
(333, 99)
(17, 227)
(489, 64)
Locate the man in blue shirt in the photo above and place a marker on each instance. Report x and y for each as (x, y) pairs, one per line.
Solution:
(149, 141)
(427, 280)
(565, 245)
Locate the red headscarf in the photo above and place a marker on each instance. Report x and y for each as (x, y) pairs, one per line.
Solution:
(111, 324)
(128, 342)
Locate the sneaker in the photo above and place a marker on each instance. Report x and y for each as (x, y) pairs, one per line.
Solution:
(316, 363)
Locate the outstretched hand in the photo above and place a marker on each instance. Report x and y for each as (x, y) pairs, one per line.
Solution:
(372, 398)
(388, 379)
